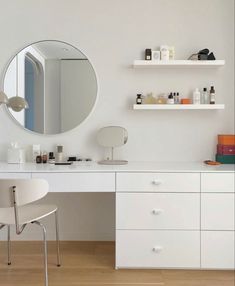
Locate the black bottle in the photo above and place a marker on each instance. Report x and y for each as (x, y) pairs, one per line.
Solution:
(148, 54)
(139, 99)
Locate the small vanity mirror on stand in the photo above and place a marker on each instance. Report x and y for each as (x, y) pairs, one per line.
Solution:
(112, 136)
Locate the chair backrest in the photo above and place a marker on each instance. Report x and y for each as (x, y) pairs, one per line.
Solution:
(26, 191)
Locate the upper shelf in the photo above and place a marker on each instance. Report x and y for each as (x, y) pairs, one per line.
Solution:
(178, 64)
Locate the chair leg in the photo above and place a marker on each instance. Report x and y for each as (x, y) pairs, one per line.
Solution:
(8, 245)
(57, 239)
(45, 251)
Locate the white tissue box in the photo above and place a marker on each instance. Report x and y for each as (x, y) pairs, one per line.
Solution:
(15, 156)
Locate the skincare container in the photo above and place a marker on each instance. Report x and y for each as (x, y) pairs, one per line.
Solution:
(174, 96)
(139, 99)
(161, 99)
(36, 151)
(212, 95)
(59, 154)
(185, 101)
(148, 54)
(51, 159)
(177, 98)
(164, 53)
(205, 96)
(196, 96)
(156, 55)
(39, 159)
(149, 99)
(44, 157)
(171, 53)
(170, 99)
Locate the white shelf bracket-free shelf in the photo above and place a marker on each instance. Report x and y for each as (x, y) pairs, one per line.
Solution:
(178, 64)
(178, 106)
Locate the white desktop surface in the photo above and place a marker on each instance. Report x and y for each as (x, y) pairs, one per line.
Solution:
(130, 167)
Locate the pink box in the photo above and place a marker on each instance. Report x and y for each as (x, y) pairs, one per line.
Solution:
(225, 149)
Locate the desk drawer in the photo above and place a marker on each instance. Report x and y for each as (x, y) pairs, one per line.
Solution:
(158, 182)
(217, 211)
(217, 182)
(15, 175)
(79, 182)
(157, 211)
(157, 249)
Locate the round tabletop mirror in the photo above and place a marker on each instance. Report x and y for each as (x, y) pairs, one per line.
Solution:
(57, 81)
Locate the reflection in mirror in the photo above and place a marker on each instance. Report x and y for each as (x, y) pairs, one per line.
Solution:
(58, 82)
(112, 136)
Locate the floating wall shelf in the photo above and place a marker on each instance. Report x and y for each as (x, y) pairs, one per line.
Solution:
(178, 106)
(178, 64)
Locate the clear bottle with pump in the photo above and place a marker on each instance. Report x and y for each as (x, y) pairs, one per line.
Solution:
(196, 96)
(212, 95)
(205, 96)
(177, 98)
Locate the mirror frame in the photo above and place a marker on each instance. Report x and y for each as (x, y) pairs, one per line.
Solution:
(34, 132)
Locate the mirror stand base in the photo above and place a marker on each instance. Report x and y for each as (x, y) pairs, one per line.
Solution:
(113, 162)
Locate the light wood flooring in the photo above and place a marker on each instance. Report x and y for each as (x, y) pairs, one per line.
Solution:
(92, 264)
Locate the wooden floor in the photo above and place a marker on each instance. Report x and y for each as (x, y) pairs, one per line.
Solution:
(91, 264)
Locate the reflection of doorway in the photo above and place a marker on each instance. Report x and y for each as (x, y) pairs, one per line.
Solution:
(29, 94)
(34, 94)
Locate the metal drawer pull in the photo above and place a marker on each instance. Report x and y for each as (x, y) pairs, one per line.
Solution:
(157, 211)
(157, 249)
(156, 182)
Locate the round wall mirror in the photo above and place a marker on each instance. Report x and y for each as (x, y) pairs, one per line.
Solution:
(57, 81)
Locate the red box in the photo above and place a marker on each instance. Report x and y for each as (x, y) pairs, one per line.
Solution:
(225, 149)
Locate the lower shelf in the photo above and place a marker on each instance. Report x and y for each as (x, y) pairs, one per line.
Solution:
(178, 106)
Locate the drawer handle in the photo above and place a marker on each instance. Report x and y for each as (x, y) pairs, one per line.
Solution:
(157, 211)
(157, 249)
(156, 182)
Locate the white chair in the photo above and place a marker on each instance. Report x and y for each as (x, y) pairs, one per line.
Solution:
(15, 209)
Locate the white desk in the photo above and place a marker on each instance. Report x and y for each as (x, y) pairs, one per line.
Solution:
(168, 215)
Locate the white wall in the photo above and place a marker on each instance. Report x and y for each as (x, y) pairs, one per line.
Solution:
(112, 33)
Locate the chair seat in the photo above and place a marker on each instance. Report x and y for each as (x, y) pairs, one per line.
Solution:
(27, 213)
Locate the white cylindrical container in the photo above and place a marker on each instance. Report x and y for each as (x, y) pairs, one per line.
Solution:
(196, 96)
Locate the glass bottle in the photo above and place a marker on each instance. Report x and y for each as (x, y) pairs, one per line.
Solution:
(139, 99)
(212, 95)
(205, 96)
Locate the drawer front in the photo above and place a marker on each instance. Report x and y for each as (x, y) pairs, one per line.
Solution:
(217, 249)
(157, 249)
(217, 182)
(79, 182)
(158, 182)
(217, 211)
(15, 175)
(157, 211)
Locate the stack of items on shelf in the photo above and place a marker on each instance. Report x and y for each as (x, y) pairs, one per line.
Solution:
(226, 149)
(165, 53)
(174, 98)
